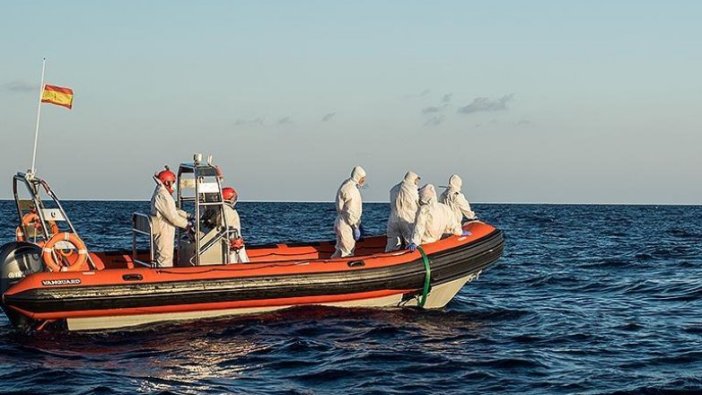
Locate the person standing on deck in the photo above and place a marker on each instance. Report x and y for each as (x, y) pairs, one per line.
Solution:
(404, 202)
(237, 253)
(349, 209)
(165, 218)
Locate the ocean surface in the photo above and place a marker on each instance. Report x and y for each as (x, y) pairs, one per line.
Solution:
(587, 299)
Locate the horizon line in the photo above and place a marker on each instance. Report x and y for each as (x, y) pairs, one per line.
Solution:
(385, 202)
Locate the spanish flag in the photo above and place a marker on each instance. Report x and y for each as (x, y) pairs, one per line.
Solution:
(57, 95)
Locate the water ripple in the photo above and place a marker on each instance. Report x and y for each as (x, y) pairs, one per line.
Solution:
(587, 299)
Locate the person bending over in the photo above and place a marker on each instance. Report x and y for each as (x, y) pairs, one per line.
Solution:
(434, 220)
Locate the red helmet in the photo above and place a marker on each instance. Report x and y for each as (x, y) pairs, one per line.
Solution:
(229, 194)
(168, 178)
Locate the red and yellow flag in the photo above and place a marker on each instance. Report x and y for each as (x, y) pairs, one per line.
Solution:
(57, 95)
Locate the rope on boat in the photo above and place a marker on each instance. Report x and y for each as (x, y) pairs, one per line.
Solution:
(427, 277)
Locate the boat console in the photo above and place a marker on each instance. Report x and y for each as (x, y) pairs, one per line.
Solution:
(199, 193)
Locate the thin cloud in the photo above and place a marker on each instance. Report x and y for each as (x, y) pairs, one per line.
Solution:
(524, 122)
(328, 117)
(484, 104)
(446, 99)
(260, 121)
(434, 121)
(430, 110)
(18, 87)
(420, 95)
(249, 122)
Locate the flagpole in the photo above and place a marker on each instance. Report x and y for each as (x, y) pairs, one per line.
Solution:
(36, 130)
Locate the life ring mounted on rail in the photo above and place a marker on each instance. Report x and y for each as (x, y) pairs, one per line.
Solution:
(33, 219)
(59, 259)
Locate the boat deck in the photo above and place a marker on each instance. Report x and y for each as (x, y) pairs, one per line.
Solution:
(369, 247)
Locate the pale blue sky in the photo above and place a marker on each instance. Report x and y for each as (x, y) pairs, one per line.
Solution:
(539, 101)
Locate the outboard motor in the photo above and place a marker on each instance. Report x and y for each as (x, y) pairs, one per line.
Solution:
(17, 260)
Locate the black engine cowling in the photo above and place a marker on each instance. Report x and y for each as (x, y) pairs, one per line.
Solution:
(17, 260)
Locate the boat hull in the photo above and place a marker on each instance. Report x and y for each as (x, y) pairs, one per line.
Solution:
(437, 298)
(117, 298)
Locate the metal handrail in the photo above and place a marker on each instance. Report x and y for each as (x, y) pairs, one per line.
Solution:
(32, 183)
(141, 224)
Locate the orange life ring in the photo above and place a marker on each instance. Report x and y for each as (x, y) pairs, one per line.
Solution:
(33, 219)
(58, 263)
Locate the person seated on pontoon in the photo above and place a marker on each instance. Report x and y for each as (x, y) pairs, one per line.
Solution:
(434, 220)
(213, 218)
(165, 217)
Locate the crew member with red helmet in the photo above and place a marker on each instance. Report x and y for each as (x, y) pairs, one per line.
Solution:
(237, 250)
(165, 217)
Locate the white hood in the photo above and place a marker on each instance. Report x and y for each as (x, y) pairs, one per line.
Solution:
(411, 177)
(427, 194)
(455, 182)
(357, 173)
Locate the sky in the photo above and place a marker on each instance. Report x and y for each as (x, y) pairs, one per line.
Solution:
(529, 102)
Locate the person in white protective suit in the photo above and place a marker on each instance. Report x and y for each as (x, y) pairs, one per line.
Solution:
(433, 220)
(237, 250)
(454, 198)
(165, 218)
(404, 202)
(349, 209)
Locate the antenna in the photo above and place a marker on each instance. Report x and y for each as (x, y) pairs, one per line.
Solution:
(36, 130)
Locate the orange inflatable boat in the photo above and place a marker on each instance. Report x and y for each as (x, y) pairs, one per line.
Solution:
(49, 277)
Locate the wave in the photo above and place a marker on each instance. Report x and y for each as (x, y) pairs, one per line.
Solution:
(587, 299)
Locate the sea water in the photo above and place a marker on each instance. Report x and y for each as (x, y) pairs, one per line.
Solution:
(587, 299)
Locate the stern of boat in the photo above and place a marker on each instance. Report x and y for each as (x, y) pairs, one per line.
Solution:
(17, 261)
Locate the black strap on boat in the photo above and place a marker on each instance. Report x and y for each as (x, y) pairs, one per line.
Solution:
(427, 277)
